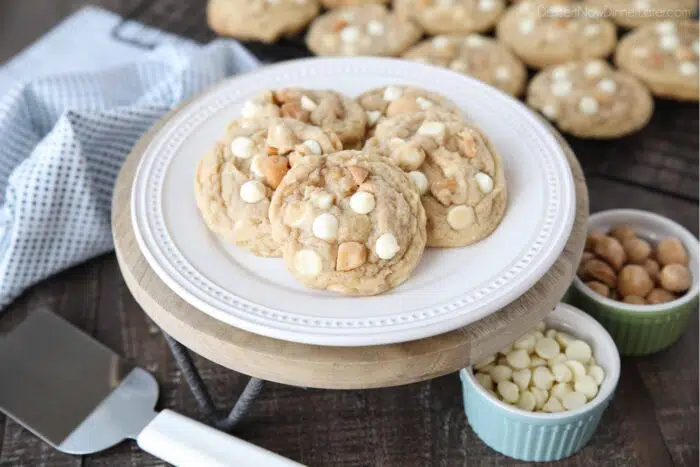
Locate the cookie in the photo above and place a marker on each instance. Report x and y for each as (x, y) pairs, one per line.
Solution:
(452, 16)
(480, 57)
(543, 34)
(634, 13)
(234, 181)
(591, 100)
(262, 20)
(328, 109)
(664, 56)
(361, 30)
(455, 167)
(349, 223)
(341, 3)
(389, 101)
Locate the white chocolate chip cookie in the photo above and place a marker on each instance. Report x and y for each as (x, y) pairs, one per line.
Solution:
(543, 33)
(235, 180)
(349, 223)
(452, 16)
(634, 13)
(389, 101)
(361, 30)
(480, 57)
(591, 100)
(664, 56)
(330, 110)
(455, 166)
(263, 20)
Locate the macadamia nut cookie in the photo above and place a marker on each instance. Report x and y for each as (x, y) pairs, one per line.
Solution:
(480, 57)
(361, 30)
(634, 13)
(664, 56)
(591, 100)
(452, 16)
(263, 20)
(328, 109)
(455, 167)
(350, 223)
(235, 180)
(542, 33)
(393, 100)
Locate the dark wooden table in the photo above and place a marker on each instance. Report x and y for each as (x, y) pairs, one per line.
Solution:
(653, 420)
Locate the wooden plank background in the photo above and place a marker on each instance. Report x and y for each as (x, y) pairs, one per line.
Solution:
(653, 420)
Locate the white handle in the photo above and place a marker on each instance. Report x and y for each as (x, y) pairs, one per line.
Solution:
(186, 443)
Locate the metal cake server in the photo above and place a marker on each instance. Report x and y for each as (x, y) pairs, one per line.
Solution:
(80, 397)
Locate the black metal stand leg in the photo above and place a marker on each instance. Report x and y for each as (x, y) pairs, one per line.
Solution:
(222, 421)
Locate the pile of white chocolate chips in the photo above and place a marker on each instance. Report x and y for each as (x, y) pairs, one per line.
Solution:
(544, 371)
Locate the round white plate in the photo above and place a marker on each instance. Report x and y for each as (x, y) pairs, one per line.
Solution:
(449, 289)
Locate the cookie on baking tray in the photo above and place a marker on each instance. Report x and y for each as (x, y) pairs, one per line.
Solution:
(389, 101)
(664, 56)
(480, 57)
(456, 168)
(361, 30)
(591, 100)
(330, 110)
(452, 16)
(349, 222)
(543, 33)
(633, 13)
(263, 20)
(234, 181)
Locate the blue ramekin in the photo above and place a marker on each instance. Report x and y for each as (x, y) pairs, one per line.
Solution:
(543, 437)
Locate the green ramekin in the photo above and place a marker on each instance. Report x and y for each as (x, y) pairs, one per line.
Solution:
(640, 329)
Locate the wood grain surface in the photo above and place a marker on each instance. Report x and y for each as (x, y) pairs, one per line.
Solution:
(653, 420)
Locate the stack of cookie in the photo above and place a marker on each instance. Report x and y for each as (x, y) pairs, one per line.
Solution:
(350, 191)
(563, 38)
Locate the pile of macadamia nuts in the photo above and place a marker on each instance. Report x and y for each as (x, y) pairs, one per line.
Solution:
(621, 266)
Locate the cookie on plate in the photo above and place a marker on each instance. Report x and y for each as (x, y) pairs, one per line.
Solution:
(480, 57)
(350, 223)
(542, 33)
(633, 13)
(389, 101)
(452, 16)
(361, 30)
(455, 167)
(341, 3)
(234, 181)
(262, 20)
(664, 56)
(591, 100)
(330, 110)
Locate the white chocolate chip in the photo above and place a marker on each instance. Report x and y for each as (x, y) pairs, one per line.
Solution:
(597, 373)
(485, 380)
(526, 26)
(487, 5)
(409, 156)
(586, 385)
(325, 227)
(553, 405)
(562, 373)
(307, 103)
(460, 217)
(250, 109)
(375, 28)
(484, 181)
(420, 180)
(391, 93)
(313, 146)
(547, 348)
(509, 391)
(362, 202)
(588, 105)
(518, 359)
(527, 342)
(349, 34)
(298, 215)
(322, 199)
(541, 397)
(501, 373)
(527, 401)
(551, 333)
(440, 42)
(666, 27)
(669, 42)
(242, 147)
(386, 246)
(560, 73)
(560, 390)
(424, 103)
(252, 191)
(542, 377)
(373, 116)
(564, 339)
(580, 351)
(550, 111)
(608, 86)
(307, 263)
(474, 40)
(485, 362)
(593, 68)
(256, 165)
(573, 400)
(561, 88)
(591, 29)
(432, 128)
(522, 378)
(688, 68)
(577, 368)
(502, 73)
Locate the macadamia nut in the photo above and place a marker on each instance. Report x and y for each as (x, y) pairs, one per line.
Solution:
(634, 280)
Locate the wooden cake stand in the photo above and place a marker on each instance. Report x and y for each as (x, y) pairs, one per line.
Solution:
(336, 367)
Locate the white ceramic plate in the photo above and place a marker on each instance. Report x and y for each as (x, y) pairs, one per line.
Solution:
(449, 289)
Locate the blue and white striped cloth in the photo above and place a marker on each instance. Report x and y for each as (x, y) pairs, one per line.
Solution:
(63, 138)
